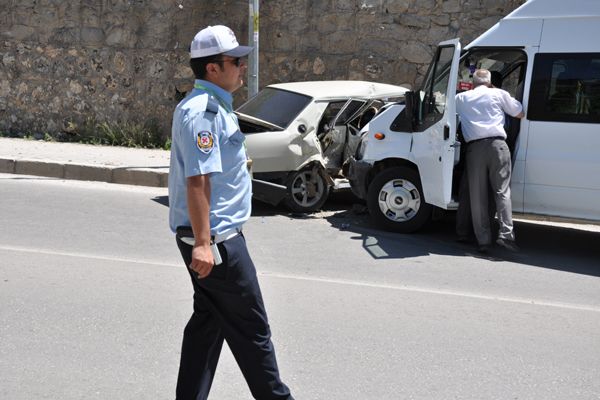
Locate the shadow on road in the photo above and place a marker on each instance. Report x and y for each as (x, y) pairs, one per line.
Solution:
(164, 200)
(553, 247)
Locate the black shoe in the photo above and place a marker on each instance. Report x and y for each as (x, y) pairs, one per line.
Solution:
(464, 239)
(509, 245)
(483, 248)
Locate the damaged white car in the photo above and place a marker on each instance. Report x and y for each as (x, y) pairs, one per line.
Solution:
(299, 134)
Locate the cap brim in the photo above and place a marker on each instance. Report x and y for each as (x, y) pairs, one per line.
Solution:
(240, 51)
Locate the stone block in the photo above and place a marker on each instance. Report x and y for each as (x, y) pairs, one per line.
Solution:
(443, 19)
(414, 20)
(488, 22)
(20, 32)
(164, 179)
(417, 52)
(341, 42)
(7, 166)
(88, 173)
(422, 6)
(91, 36)
(328, 23)
(137, 176)
(39, 168)
(310, 42)
(451, 6)
(396, 6)
(284, 42)
(344, 5)
(318, 66)
(405, 72)
(438, 34)
(91, 16)
(65, 36)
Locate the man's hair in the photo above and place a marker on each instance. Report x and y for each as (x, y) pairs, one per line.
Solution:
(482, 77)
(199, 64)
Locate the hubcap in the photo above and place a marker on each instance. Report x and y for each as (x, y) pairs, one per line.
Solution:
(399, 200)
(307, 189)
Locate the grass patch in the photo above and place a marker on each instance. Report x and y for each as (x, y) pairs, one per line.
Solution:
(126, 134)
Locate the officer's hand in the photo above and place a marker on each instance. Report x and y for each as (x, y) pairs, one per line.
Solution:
(202, 260)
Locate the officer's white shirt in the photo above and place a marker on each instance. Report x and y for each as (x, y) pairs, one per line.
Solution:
(481, 112)
(206, 140)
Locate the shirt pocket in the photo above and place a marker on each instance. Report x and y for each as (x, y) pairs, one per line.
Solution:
(236, 139)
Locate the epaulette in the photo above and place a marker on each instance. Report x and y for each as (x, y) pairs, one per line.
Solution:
(212, 105)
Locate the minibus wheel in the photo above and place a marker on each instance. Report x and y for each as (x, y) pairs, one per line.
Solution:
(395, 200)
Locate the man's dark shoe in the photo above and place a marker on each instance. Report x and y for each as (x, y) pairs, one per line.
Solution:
(464, 239)
(483, 248)
(509, 245)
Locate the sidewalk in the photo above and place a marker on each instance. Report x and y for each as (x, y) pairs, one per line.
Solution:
(127, 166)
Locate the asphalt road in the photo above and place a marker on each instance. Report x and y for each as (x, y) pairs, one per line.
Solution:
(94, 298)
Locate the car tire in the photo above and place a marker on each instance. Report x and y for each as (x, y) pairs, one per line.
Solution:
(307, 190)
(395, 200)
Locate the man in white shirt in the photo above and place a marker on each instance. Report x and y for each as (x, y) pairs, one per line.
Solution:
(481, 111)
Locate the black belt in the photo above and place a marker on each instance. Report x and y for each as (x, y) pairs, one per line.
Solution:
(187, 233)
(486, 138)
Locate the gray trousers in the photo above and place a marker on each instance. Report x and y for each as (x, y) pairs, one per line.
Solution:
(464, 221)
(488, 162)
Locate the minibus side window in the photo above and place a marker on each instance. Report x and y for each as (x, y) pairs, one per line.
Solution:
(565, 88)
(434, 90)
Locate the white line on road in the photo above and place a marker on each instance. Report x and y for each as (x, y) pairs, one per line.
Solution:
(85, 255)
(518, 300)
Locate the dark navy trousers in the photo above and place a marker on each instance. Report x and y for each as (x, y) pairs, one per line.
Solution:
(228, 305)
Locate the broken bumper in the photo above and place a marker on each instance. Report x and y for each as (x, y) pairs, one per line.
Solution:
(267, 192)
(358, 171)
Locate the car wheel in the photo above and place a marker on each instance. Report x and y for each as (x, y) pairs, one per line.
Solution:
(395, 200)
(307, 190)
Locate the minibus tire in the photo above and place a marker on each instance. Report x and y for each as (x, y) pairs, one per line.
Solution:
(396, 202)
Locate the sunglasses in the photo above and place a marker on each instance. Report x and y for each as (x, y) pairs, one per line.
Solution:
(236, 61)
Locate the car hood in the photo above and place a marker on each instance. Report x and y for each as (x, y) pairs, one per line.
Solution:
(258, 121)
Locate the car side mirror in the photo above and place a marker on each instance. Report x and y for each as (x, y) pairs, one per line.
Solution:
(302, 129)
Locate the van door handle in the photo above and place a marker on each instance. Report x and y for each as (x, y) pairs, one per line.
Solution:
(446, 132)
(455, 144)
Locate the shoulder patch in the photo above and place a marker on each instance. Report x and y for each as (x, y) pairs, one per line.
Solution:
(205, 141)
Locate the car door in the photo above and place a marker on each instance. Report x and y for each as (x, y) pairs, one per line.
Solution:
(335, 138)
(434, 138)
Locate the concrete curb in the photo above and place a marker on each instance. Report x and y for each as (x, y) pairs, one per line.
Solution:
(155, 177)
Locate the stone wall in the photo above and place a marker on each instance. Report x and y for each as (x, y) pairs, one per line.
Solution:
(65, 62)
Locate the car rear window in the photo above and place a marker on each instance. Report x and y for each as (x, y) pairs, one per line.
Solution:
(276, 106)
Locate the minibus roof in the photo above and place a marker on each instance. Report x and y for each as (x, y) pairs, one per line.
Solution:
(522, 27)
(556, 9)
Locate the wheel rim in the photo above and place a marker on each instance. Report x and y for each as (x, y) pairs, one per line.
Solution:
(399, 200)
(307, 189)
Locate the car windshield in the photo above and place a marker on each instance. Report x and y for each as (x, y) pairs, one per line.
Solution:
(276, 106)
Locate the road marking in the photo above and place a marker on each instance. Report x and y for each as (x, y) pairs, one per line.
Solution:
(518, 300)
(336, 281)
(85, 255)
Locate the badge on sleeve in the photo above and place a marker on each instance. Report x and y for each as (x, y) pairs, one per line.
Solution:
(204, 141)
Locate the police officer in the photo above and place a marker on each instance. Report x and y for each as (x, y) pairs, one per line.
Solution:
(210, 199)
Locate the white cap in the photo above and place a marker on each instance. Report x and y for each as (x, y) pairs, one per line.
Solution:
(217, 39)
